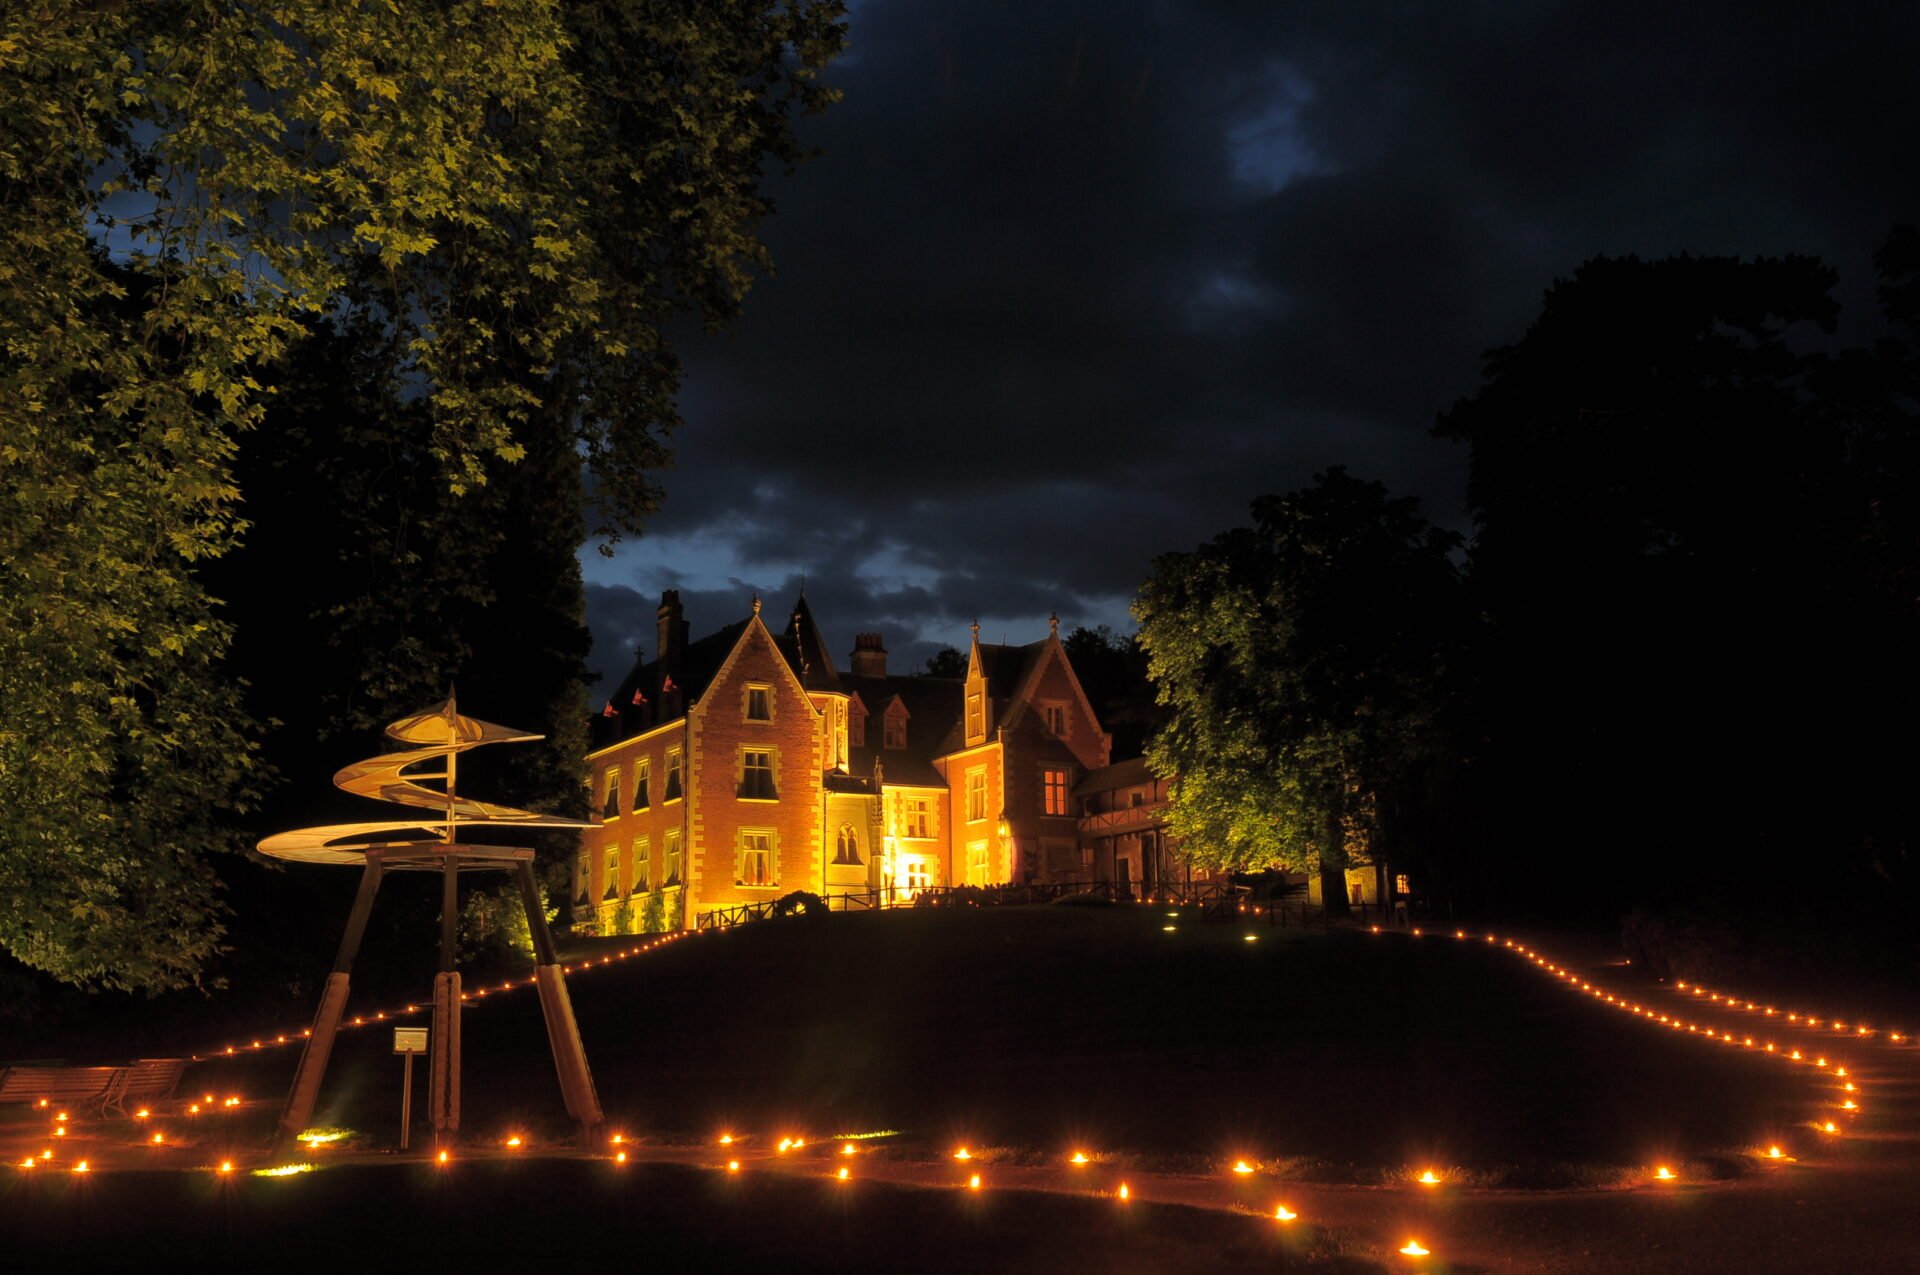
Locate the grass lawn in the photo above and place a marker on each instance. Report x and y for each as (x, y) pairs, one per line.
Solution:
(1335, 1056)
(512, 1215)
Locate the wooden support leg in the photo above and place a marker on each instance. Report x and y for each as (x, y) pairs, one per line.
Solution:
(443, 1083)
(326, 1023)
(563, 1033)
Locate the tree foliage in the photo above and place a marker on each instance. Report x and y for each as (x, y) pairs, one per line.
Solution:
(1299, 660)
(519, 193)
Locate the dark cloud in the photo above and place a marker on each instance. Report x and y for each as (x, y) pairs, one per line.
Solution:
(1074, 282)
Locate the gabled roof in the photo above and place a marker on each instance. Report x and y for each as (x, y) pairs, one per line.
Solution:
(933, 708)
(698, 665)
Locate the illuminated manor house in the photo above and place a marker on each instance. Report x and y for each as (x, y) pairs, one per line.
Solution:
(743, 766)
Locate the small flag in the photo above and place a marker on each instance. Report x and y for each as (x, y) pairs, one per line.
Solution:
(638, 697)
(609, 710)
(666, 685)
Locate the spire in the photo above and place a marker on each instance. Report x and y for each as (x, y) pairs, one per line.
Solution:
(1053, 625)
(756, 604)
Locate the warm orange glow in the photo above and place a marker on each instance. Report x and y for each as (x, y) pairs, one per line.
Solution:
(226, 1166)
(620, 1157)
(159, 1138)
(1840, 1071)
(1429, 1178)
(1285, 1214)
(1078, 1157)
(1774, 1153)
(849, 1149)
(1241, 1166)
(231, 1102)
(28, 1163)
(1124, 1193)
(1830, 1127)
(59, 1131)
(726, 1139)
(441, 1158)
(973, 1183)
(844, 1173)
(963, 1154)
(1849, 1105)
(60, 1116)
(1413, 1248)
(733, 1166)
(1663, 1173)
(618, 1138)
(83, 1167)
(141, 1114)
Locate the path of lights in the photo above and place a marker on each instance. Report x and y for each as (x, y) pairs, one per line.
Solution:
(1801, 1019)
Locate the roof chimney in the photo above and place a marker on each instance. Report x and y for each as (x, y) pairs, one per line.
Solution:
(869, 656)
(673, 632)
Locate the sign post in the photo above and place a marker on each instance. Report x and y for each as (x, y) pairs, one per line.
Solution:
(408, 1041)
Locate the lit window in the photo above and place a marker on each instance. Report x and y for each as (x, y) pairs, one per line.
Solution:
(896, 733)
(673, 858)
(610, 807)
(756, 859)
(756, 774)
(1402, 885)
(643, 787)
(976, 863)
(919, 874)
(582, 871)
(673, 774)
(1055, 784)
(919, 818)
(976, 794)
(847, 850)
(976, 716)
(612, 874)
(1056, 715)
(759, 703)
(642, 866)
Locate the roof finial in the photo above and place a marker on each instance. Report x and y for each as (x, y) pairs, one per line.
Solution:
(976, 630)
(756, 604)
(1053, 625)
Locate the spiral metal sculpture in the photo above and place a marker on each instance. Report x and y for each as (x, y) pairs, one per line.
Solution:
(433, 842)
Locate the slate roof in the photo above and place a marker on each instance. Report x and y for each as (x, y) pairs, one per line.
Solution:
(933, 712)
(806, 650)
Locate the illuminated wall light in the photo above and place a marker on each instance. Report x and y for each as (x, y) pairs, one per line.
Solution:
(1284, 1214)
(1413, 1248)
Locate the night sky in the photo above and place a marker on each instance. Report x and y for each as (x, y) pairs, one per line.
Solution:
(1074, 282)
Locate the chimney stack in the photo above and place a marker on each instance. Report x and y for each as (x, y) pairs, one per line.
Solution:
(673, 632)
(869, 656)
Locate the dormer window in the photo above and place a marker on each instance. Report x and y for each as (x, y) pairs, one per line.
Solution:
(759, 703)
(896, 726)
(976, 716)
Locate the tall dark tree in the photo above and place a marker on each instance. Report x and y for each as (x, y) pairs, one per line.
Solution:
(1694, 664)
(1301, 661)
(1112, 669)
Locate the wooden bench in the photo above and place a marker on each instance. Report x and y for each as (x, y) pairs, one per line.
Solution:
(61, 1086)
(149, 1080)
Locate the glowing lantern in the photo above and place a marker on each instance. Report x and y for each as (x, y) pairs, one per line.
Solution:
(1830, 1127)
(28, 1163)
(844, 1173)
(514, 1142)
(619, 1138)
(963, 1154)
(60, 1131)
(1413, 1248)
(620, 1157)
(1663, 1174)
(1774, 1153)
(194, 1110)
(141, 1114)
(158, 1138)
(1429, 1178)
(726, 1139)
(1849, 1105)
(1242, 1167)
(1123, 1193)
(441, 1158)
(1840, 1071)
(973, 1183)
(733, 1166)
(1284, 1214)
(1078, 1157)
(60, 1116)
(82, 1167)
(47, 1154)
